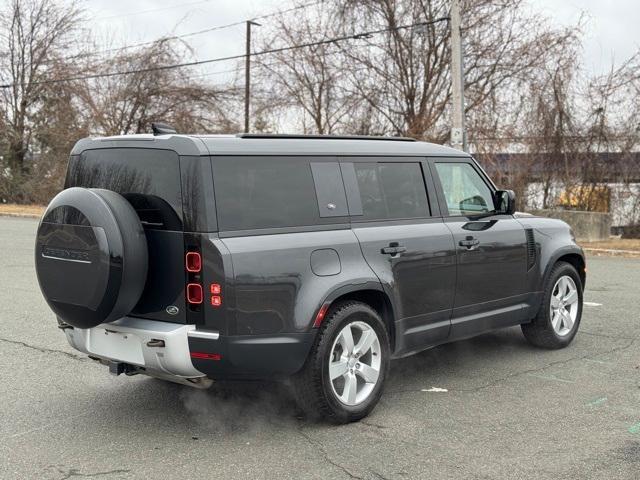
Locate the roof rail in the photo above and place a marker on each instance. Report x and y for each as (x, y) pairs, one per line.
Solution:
(323, 137)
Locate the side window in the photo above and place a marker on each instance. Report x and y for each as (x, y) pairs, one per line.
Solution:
(393, 190)
(261, 192)
(464, 190)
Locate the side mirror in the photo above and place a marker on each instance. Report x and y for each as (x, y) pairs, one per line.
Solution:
(505, 201)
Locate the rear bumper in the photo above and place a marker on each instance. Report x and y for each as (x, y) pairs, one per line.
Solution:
(251, 356)
(184, 354)
(136, 341)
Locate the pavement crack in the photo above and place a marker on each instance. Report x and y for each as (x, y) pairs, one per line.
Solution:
(531, 370)
(583, 332)
(374, 425)
(44, 350)
(549, 365)
(326, 456)
(74, 472)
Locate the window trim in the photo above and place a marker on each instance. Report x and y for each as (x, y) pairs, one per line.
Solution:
(440, 191)
(353, 190)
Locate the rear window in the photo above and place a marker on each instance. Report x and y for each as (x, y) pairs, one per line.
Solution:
(148, 179)
(265, 192)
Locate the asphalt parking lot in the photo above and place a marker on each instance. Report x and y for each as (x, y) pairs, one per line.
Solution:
(509, 410)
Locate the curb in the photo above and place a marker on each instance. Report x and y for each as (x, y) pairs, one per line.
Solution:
(611, 251)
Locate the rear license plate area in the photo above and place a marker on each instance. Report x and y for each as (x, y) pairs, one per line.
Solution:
(124, 347)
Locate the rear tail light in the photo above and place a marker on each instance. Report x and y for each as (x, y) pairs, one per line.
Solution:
(193, 262)
(216, 294)
(195, 290)
(194, 293)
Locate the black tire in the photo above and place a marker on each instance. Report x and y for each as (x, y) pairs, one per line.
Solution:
(540, 331)
(312, 386)
(91, 256)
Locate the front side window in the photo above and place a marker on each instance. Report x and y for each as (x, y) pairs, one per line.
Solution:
(465, 192)
(392, 190)
(264, 192)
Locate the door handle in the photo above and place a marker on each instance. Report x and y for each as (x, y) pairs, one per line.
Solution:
(470, 242)
(394, 248)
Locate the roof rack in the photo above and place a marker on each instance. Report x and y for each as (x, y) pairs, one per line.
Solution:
(323, 137)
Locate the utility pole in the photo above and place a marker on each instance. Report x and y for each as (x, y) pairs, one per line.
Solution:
(247, 75)
(458, 133)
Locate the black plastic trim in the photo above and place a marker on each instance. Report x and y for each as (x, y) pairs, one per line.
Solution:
(253, 356)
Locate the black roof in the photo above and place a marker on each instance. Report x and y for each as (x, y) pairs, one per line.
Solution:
(252, 144)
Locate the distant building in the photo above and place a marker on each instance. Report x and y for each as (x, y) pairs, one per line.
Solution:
(612, 177)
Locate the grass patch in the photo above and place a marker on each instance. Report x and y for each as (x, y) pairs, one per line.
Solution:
(628, 247)
(13, 209)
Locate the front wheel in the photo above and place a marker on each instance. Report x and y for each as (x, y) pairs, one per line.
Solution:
(559, 317)
(343, 378)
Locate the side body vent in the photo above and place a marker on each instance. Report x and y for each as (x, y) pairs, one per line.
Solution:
(531, 248)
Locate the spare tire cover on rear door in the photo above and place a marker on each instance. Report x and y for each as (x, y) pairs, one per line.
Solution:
(91, 256)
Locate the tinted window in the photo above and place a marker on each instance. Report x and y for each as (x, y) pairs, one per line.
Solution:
(264, 192)
(391, 190)
(464, 190)
(148, 179)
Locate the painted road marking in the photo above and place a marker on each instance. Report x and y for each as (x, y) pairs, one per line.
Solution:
(592, 304)
(601, 362)
(550, 377)
(435, 389)
(597, 402)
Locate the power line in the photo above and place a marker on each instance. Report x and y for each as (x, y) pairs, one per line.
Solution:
(152, 10)
(234, 57)
(195, 33)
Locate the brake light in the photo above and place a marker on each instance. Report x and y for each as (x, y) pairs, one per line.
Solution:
(194, 293)
(216, 289)
(216, 301)
(193, 262)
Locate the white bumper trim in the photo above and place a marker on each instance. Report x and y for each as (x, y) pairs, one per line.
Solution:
(125, 340)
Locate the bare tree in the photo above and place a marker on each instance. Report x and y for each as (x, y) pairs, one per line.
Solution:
(121, 104)
(34, 32)
(309, 81)
(398, 81)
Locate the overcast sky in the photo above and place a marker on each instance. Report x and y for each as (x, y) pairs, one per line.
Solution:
(611, 28)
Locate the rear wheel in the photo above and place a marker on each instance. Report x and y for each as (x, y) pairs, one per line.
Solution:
(343, 378)
(559, 317)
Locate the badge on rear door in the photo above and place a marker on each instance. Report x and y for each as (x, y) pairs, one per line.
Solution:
(172, 310)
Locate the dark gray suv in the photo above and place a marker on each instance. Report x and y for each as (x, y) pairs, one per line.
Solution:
(318, 259)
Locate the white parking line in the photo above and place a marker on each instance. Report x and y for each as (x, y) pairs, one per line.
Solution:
(592, 304)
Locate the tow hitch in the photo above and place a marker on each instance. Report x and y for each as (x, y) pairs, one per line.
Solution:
(116, 368)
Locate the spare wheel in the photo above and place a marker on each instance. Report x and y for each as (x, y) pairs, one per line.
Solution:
(91, 256)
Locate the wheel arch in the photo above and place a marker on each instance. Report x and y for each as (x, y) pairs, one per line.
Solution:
(578, 263)
(573, 256)
(371, 294)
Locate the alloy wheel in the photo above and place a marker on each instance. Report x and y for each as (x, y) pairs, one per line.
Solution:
(564, 305)
(355, 363)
